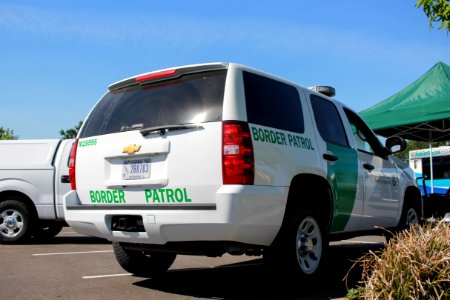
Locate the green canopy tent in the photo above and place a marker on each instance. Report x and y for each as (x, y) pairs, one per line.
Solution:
(419, 112)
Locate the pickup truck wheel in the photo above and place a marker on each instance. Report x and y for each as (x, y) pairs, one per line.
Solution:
(142, 263)
(48, 230)
(302, 249)
(14, 221)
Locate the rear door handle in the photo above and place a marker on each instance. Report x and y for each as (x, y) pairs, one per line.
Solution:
(368, 167)
(329, 157)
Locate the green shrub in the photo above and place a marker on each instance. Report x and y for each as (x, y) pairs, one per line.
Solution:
(415, 264)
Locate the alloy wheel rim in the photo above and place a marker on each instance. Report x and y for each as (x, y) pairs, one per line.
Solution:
(11, 223)
(309, 245)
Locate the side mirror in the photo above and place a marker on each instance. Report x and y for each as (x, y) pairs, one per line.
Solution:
(395, 144)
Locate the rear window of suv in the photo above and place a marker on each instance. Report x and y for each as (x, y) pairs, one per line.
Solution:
(192, 98)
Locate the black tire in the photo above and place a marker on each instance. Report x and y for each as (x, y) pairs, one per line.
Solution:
(143, 264)
(15, 222)
(411, 214)
(48, 230)
(303, 249)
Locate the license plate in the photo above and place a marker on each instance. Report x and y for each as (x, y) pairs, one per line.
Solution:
(136, 169)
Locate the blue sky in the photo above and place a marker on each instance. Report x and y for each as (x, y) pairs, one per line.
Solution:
(58, 57)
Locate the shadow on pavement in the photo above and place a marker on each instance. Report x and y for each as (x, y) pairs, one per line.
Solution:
(63, 240)
(74, 240)
(250, 280)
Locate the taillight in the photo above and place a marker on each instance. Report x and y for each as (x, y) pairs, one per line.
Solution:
(238, 165)
(72, 159)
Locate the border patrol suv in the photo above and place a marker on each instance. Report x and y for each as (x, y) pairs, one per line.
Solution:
(221, 158)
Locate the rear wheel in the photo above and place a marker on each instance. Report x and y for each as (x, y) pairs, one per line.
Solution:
(15, 221)
(309, 245)
(143, 263)
(303, 248)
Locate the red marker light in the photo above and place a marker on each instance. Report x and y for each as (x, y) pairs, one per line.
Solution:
(157, 75)
(72, 160)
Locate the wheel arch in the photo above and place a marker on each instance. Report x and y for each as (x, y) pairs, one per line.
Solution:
(19, 196)
(412, 195)
(304, 190)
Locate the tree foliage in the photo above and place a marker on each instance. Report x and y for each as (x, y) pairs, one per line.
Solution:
(437, 11)
(70, 133)
(7, 134)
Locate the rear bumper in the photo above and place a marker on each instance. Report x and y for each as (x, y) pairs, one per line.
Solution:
(245, 214)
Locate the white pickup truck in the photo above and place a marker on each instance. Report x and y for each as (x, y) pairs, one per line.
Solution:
(34, 177)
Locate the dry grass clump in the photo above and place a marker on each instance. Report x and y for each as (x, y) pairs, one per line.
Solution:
(415, 264)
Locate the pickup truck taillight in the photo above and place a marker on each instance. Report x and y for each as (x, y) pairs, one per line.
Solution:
(72, 159)
(238, 166)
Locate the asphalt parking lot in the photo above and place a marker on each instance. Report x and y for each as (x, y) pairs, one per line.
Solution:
(73, 266)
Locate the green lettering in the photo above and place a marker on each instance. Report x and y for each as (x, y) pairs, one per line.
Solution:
(261, 134)
(273, 137)
(103, 195)
(109, 196)
(148, 195)
(156, 197)
(186, 198)
(302, 141)
(255, 134)
(97, 196)
(266, 135)
(310, 144)
(121, 196)
(114, 196)
(92, 195)
(295, 141)
(283, 139)
(278, 135)
(179, 195)
(290, 139)
(161, 192)
(169, 194)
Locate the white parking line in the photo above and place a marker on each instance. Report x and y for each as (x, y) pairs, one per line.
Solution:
(105, 276)
(356, 242)
(69, 253)
(69, 233)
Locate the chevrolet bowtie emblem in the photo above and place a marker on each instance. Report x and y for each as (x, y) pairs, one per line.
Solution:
(131, 149)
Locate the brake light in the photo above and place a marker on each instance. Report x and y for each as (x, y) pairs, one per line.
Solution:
(72, 159)
(238, 166)
(155, 75)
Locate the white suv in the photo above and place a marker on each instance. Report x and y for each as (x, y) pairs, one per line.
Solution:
(221, 158)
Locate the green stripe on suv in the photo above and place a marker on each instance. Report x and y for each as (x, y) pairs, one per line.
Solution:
(343, 178)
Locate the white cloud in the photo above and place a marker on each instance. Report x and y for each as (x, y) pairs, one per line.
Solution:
(160, 31)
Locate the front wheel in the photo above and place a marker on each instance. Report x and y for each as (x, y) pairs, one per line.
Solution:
(143, 263)
(410, 215)
(302, 249)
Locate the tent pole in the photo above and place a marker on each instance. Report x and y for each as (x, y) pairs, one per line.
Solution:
(431, 169)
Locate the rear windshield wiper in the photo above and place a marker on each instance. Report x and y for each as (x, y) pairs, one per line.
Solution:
(162, 130)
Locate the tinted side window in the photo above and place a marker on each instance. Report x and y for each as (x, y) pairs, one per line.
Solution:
(328, 121)
(365, 139)
(272, 103)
